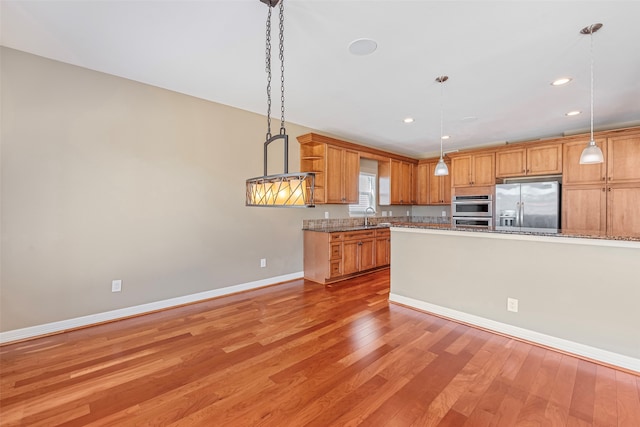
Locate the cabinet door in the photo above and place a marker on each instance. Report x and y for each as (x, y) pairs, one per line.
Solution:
(484, 172)
(440, 186)
(461, 171)
(396, 182)
(414, 186)
(342, 176)
(350, 259)
(351, 164)
(622, 207)
(335, 176)
(623, 159)
(382, 251)
(446, 188)
(511, 163)
(544, 160)
(423, 183)
(584, 209)
(406, 178)
(367, 254)
(574, 172)
(435, 185)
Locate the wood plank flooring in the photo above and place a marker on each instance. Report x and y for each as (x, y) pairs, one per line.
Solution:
(302, 354)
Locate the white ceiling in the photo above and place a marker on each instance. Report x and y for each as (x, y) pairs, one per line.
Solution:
(500, 56)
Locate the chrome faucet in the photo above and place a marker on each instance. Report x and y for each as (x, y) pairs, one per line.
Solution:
(366, 218)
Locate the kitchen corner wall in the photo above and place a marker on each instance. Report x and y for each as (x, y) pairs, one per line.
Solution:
(105, 178)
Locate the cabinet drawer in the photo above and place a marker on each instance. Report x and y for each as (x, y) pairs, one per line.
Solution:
(385, 232)
(359, 235)
(335, 237)
(335, 268)
(336, 251)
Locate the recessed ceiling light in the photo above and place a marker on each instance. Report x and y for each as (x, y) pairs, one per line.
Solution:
(363, 47)
(561, 81)
(408, 120)
(445, 137)
(573, 113)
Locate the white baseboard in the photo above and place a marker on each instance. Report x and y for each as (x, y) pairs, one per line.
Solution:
(48, 328)
(589, 352)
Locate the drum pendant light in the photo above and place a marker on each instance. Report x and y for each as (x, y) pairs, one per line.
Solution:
(287, 189)
(591, 154)
(441, 168)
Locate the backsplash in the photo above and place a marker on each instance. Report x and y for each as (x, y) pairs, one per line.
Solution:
(314, 224)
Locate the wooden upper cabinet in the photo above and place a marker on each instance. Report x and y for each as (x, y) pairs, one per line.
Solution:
(396, 182)
(544, 159)
(461, 171)
(431, 189)
(623, 159)
(484, 169)
(351, 162)
(406, 190)
(529, 161)
(473, 170)
(511, 163)
(422, 183)
(440, 186)
(573, 172)
(342, 169)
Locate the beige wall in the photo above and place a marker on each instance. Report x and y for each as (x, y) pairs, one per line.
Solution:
(584, 293)
(104, 178)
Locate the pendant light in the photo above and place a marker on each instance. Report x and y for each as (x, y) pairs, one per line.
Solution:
(287, 189)
(441, 167)
(592, 154)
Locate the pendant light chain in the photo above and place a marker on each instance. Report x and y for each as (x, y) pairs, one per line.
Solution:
(282, 129)
(268, 70)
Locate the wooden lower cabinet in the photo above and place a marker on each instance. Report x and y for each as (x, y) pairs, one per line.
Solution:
(383, 247)
(330, 257)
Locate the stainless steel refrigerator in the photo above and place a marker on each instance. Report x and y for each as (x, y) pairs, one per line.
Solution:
(531, 206)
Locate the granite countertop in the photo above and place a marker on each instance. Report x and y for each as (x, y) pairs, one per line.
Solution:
(522, 233)
(345, 228)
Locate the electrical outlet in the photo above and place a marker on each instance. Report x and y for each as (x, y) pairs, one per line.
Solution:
(384, 213)
(408, 213)
(390, 213)
(263, 262)
(326, 215)
(512, 305)
(116, 285)
(444, 213)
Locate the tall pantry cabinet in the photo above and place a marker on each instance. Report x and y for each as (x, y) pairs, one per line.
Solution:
(602, 198)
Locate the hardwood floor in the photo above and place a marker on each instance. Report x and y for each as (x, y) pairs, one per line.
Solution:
(304, 354)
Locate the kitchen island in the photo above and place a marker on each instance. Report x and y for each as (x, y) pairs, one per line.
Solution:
(574, 293)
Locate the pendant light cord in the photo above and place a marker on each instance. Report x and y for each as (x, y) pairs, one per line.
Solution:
(591, 54)
(441, 114)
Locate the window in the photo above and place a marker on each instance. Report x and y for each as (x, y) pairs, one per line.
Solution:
(366, 195)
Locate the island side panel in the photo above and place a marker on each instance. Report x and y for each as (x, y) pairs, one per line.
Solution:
(588, 294)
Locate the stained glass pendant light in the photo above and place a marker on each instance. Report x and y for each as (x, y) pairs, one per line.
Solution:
(287, 189)
(592, 153)
(441, 168)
